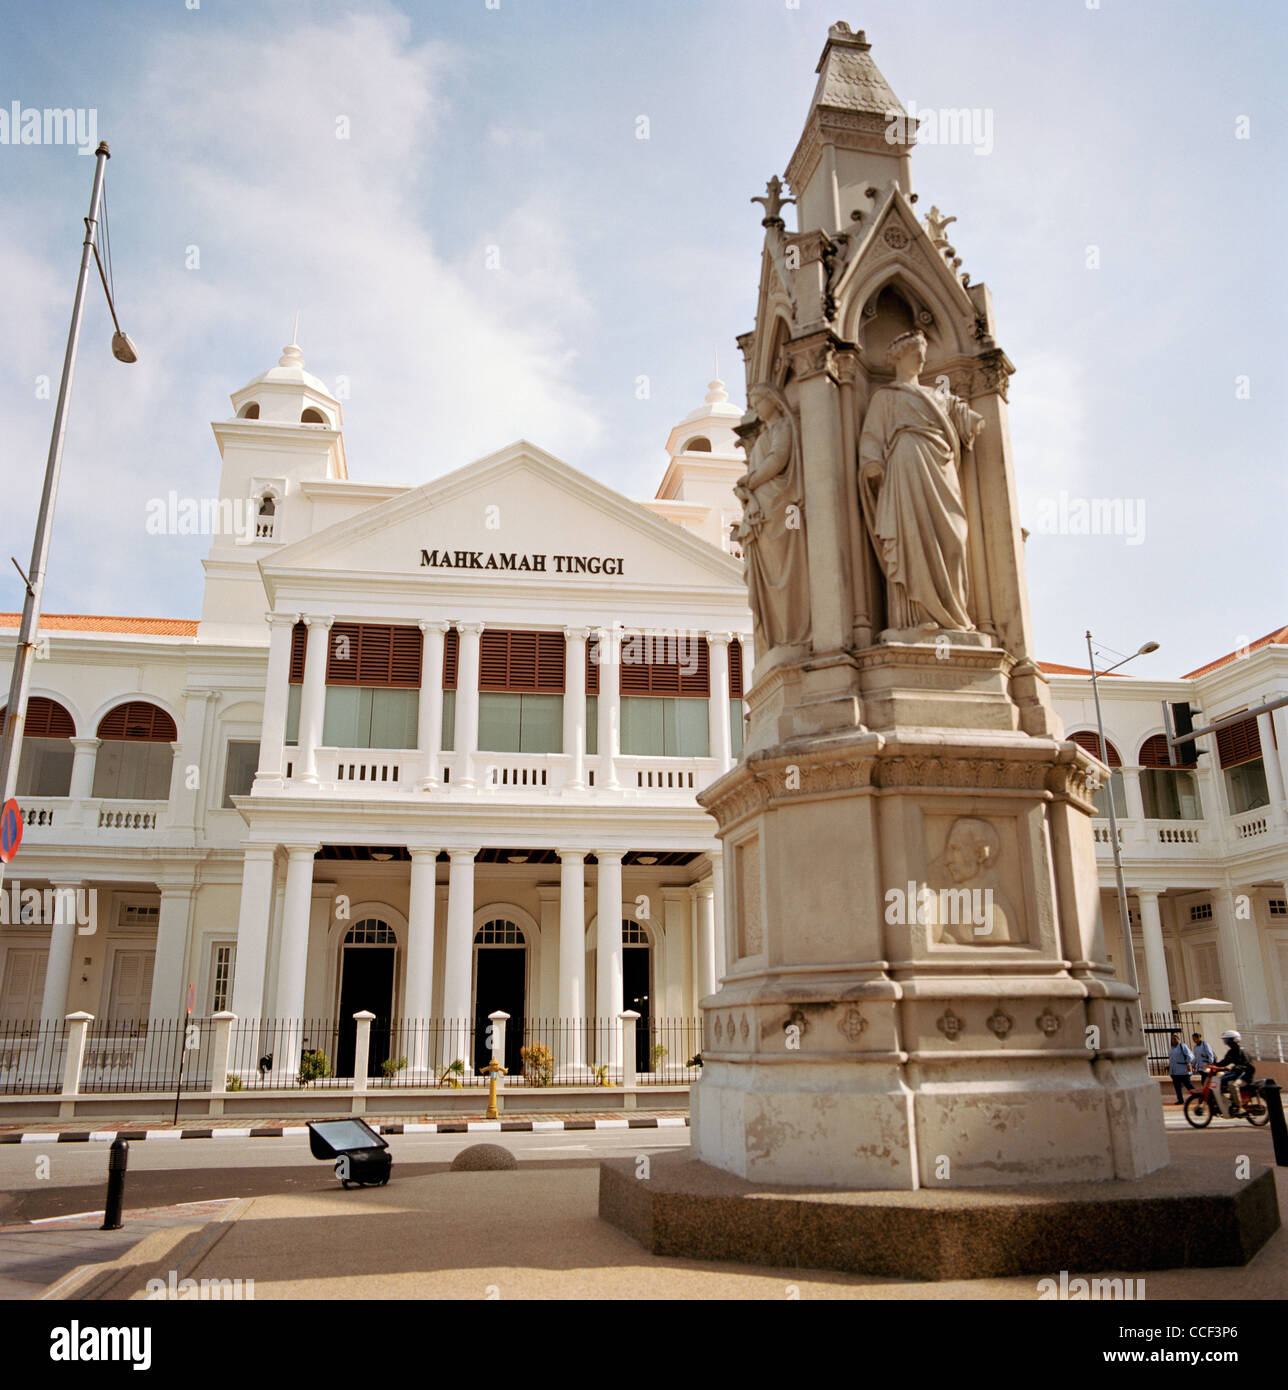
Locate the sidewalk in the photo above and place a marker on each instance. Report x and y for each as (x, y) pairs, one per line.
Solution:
(139, 1128)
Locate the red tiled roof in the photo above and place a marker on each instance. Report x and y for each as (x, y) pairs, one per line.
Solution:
(95, 622)
(1277, 638)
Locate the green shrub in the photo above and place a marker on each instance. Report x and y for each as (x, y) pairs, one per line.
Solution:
(538, 1064)
(391, 1066)
(232, 1081)
(313, 1066)
(451, 1074)
(655, 1055)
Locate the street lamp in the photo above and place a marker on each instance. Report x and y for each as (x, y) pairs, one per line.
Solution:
(1113, 819)
(34, 580)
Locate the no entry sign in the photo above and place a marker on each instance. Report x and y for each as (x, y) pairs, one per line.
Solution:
(10, 830)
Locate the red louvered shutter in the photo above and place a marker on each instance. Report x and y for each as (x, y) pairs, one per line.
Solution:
(342, 654)
(592, 666)
(1090, 740)
(405, 659)
(45, 719)
(665, 666)
(521, 661)
(551, 662)
(375, 648)
(735, 670)
(299, 646)
(374, 654)
(138, 721)
(1240, 743)
(1153, 752)
(451, 650)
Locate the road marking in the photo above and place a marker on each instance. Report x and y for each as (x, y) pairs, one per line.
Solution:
(163, 1134)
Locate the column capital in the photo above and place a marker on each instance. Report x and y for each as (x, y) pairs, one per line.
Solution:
(609, 856)
(462, 856)
(200, 694)
(469, 629)
(579, 634)
(85, 742)
(420, 853)
(568, 856)
(1152, 894)
(322, 620)
(254, 849)
(433, 625)
(281, 619)
(723, 638)
(705, 889)
(715, 856)
(59, 881)
(298, 851)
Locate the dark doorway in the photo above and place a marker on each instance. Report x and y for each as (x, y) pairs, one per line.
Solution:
(635, 992)
(500, 985)
(366, 982)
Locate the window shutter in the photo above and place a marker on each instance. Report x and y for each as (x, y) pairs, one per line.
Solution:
(735, 669)
(138, 722)
(451, 649)
(299, 645)
(1154, 752)
(373, 654)
(45, 719)
(652, 666)
(1089, 740)
(592, 666)
(1240, 743)
(521, 661)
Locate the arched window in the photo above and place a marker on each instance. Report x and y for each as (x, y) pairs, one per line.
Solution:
(697, 445)
(266, 517)
(633, 933)
(250, 411)
(45, 767)
(135, 756)
(371, 931)
(1089, 740)
(1169, 793)
(312, 417)
(499, 932)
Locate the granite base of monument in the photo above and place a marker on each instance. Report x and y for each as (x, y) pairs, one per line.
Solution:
(1191, 1215)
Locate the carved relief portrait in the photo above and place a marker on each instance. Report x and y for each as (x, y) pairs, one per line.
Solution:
(971, 907)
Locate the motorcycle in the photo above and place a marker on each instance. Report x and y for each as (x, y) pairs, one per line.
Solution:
(1208, 1099)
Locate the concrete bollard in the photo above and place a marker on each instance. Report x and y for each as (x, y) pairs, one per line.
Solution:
(73, 1062)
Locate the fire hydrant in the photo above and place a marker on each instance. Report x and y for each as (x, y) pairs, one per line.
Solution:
(492, 1071)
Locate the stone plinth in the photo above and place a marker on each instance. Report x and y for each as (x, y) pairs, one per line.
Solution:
(1195, 1215)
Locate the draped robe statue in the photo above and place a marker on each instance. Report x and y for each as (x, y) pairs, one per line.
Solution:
(910, 490)
(772, 528)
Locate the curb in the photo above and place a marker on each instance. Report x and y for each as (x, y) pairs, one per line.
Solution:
(106, 1136)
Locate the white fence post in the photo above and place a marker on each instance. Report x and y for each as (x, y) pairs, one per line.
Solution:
(629, 1074)
(361, 1055)
(220, 1046)
(73, 1060)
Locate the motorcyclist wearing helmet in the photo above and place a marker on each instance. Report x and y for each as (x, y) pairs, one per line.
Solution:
(1235, 1064)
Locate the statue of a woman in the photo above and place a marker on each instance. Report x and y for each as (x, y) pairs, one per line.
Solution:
(910, 490)
(772, 529)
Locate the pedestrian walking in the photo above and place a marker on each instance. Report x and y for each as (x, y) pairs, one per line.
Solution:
(1180, 1063)
(1203, 1054)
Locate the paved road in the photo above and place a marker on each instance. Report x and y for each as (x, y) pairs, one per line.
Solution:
(163, 1171)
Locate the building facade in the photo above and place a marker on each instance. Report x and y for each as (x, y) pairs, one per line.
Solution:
(433, 752)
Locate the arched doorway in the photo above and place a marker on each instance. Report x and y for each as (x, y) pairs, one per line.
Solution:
(500, 982)
(637, 992)
(367, 960)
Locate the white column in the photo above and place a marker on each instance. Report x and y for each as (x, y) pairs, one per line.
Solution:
(292, 957)
(574, 704)
(459, 957)
(1158, 991)
(467, 701)
(168, 985)
(1274, 771)
(84, 756)
(1279, 717)
(572, 955)
(429, 708)
(706, 941)
(252, 931)
(418, 986)
(189, 751)
(62, 940)
(272, 734)
(610, 710)
(609, 1000)
(1135, 803)
(718, 701)
(676, 914)
(1241, 949)
(718, 913)
(313, 698)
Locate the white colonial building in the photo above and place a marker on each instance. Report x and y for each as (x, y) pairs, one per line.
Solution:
(432, 752)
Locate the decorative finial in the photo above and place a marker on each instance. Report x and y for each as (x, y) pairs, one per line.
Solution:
(716, 394)
(773, 202)
(295, 332)
(841, 30)
(935, 225)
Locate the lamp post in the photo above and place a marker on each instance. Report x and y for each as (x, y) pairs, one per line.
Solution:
(1124, 916)
(124, 351)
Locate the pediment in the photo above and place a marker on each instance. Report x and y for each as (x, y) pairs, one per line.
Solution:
(518, 515)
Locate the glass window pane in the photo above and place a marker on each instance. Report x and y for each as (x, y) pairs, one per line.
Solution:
(1189, 802)
(107, 768)
(239, 770)
(499, 722)
(393, 718)
(687, 729)
(1246, 787)
(541, 724)
(641, 726)
(158, 765)
(1120, 798)
(735, 726)
(340, 717)
(448, 739)
(293, 714)
(592, 726)
(45, 767)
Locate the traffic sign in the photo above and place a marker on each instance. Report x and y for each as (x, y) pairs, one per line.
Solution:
(10, 830)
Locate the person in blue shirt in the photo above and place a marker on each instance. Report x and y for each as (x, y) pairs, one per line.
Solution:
(1203, 1054)
(1180, 1063)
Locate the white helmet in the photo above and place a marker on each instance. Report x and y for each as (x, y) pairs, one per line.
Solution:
(1231, 1036)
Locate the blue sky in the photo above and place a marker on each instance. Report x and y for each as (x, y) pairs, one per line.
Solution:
(516, 128)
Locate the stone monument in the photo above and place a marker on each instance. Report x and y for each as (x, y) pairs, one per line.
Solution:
(917, 992)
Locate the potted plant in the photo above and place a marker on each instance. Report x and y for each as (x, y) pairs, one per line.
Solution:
(538, 1064)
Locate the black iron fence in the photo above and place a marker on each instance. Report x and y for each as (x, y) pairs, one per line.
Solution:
(161, 1054)
(31, 1056)
(273, 1053)
(1159, 1027)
